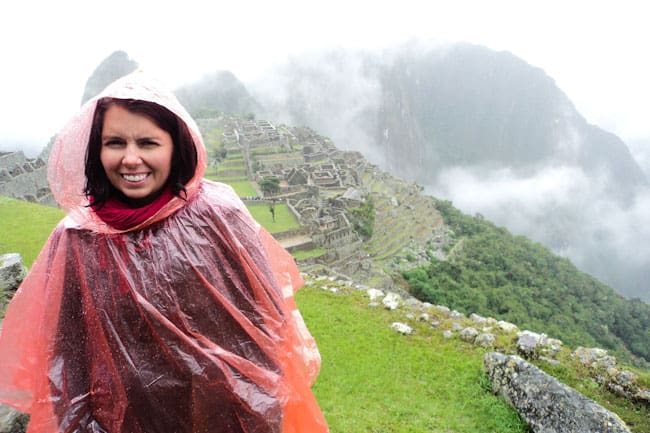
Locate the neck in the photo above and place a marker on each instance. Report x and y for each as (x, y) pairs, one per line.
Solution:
(135, 203)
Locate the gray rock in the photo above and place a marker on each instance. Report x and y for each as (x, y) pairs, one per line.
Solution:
(468, 334)
(12, 421)
(456, 315)
(527, 343)
(507, 326)
(444, 310)
(402, 328)
(595, 357)
(479, 320)
(392, 301)
(547, 405)
(12, 271)
(484, 340)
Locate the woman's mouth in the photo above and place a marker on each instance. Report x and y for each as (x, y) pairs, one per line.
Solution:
(135, 177)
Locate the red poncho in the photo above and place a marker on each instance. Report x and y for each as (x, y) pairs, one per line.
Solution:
(185, 323)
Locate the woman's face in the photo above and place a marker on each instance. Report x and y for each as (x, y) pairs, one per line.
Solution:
(136, 154)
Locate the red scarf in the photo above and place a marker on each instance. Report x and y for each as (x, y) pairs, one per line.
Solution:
(119, 215)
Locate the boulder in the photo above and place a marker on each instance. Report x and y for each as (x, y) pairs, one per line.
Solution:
(12, 271)
(546, 404)
(468, 334)
(12, 421)
(485, 340)
(402, 328)
(392, 301)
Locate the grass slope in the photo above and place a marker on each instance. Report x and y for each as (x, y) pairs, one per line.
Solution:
(374, 379)
(25, 227)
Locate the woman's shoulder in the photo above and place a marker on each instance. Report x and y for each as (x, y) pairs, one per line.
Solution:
(220, 196)
(220, 200)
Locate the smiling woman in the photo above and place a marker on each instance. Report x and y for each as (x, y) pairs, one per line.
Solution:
(158, 304)
(136, 154)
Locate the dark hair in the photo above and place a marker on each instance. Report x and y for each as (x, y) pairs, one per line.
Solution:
(184, 156)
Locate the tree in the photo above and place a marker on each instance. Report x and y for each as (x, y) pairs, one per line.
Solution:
(269, 185)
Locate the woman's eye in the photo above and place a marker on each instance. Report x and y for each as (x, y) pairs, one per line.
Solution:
(113, 143)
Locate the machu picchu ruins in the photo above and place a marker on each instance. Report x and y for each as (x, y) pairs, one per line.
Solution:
(321, 184)
(24, 178)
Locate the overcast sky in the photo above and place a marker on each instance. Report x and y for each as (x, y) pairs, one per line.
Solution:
(597, 51)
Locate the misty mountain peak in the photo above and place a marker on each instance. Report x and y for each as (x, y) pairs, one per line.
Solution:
(116, 65)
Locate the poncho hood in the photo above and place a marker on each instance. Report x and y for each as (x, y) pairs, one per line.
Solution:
(68, 154)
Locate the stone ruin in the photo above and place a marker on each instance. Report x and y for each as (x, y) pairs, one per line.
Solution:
(24, 178)
(311, 170)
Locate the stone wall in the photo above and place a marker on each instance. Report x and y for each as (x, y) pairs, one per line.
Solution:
(24, 179)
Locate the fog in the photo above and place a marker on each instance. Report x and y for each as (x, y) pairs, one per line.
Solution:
(337, 93)
(557, 204)
(595, 50)
(565, 210)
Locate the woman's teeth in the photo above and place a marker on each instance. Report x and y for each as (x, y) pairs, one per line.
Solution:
(134, 177)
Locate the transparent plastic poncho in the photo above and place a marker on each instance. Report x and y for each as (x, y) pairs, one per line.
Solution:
(185, 323)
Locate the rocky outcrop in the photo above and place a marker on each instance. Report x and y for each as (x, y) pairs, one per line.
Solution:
(12, 271)
(116, 65)
(546, 404)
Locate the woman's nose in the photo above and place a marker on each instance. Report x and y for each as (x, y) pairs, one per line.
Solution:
(131, 156)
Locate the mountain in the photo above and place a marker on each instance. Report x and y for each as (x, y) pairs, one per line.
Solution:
(471, 105)
(218, 91)
(116, 65)
(488, 131)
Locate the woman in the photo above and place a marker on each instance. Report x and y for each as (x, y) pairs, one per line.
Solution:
(158, 305)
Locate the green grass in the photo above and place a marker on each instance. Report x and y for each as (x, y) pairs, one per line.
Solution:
(243, 188)
(316, 252)
(376, 380)
(212, 175)
(25, 227)
(284, 220)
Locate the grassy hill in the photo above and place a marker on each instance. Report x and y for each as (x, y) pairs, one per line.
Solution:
(493, 273)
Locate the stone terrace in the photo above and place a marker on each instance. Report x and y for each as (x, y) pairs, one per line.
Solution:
(321, 183)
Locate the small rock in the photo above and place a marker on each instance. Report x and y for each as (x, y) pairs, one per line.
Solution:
(507, 326)
(457, 315)
(402, 328)
(375, 294)
(468, 334)
(479, 320)
(484, 340)
(12, 271)
(392, 301)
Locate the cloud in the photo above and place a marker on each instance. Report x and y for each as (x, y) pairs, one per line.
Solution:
(564, 209)
(340, 95)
